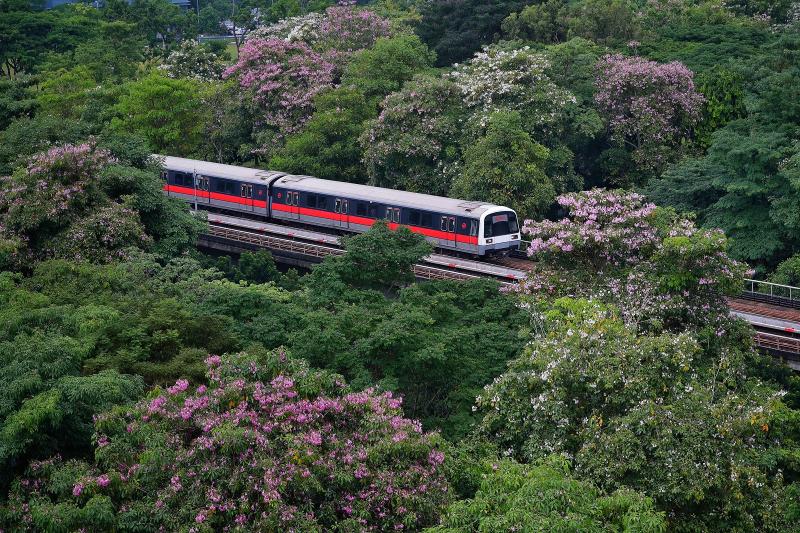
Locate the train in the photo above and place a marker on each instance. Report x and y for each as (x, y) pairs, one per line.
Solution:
(464, 226)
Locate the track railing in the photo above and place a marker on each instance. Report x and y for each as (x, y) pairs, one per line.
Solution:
(787, 348)
(270, 241)
(775, 293)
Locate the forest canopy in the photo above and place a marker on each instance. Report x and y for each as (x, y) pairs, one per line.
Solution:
(651, 150)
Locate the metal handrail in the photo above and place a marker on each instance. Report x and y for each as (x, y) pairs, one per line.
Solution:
(776, 290)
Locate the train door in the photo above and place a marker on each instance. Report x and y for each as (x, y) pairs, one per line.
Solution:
(201, 188)
(342, 209)
(260, 199)
(393, 216)
(246, 192)
(293, 199)
(447, 225)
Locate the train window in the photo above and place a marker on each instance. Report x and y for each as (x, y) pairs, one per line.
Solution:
(397, 215)
(219, 185)
(361, 209)
(311, 200)
(427, 220)
(244, 191)
(337, 206)
(322, 202)
(451, 224)
(473, 228)
(344, 206)
(373, 211)
(443, 224)
(295, 197)
(414, 217)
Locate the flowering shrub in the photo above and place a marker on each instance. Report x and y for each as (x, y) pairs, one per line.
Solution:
(604, 228)
(193, 60)
(497, 79)
(51, 190)
(652, 413)
(414, 140)
(267, 445)
(660, 270)
(284, 78)
(649, 107)
(305, 28)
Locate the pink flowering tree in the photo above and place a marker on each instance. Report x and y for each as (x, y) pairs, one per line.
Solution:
(286, 65)
(604, 229)
(649, 107)
(660, 270)
(48, 208)
(341, 31)
(283, 77)
(346, 30)
(268, 445)
(80, 202)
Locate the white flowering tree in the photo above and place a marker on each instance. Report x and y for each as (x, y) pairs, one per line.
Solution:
(516, 80)
(413, 144)
(657, 414)
(193, 60)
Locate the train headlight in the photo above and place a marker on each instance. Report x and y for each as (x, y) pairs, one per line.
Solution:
(488, 241)
(515, 236)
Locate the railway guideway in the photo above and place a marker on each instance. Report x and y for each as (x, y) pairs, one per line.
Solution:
(772, 309)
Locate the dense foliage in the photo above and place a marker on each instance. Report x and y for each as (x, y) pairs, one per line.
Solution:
(544, 497)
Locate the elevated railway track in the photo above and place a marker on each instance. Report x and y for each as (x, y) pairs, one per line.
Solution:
(773, 310)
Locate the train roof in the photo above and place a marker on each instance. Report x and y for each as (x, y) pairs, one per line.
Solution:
(206, 168)
(367, 193)
(392, 197)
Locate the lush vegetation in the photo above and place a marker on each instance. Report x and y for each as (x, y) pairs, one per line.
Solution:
(651, 147)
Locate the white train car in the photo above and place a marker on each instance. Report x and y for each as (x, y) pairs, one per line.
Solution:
(471, 227)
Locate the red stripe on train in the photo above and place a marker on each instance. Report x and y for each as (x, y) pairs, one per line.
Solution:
(351, 219)
(216, 196)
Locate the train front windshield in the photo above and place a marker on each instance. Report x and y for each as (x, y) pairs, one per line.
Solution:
(500, 224)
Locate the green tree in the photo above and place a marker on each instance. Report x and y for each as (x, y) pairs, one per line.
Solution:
(545, 497)
(160, 21)
(506, 166)
(378, 259)
(64, 93)
(167, 112)
(383, 68)
(455, 30)
(543, 22)
(17, 99)
(787, 272)
(328, 145)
